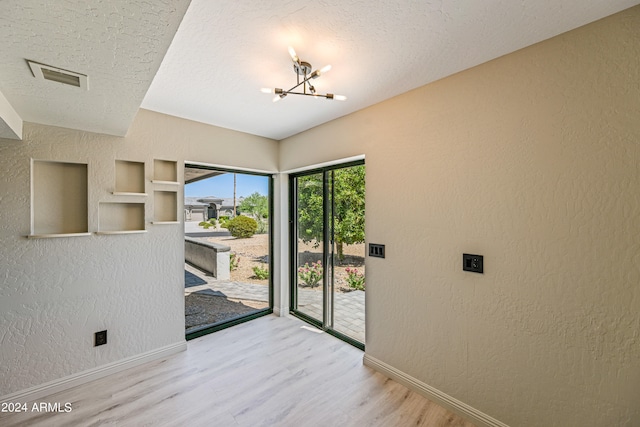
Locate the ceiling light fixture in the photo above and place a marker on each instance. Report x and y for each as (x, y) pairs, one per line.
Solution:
(304, 73)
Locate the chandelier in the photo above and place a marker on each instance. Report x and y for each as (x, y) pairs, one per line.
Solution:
(304, 75)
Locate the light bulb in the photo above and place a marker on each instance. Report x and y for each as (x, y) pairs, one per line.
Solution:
(267, 90)
(294, 57)
(340, 97)
(325, 69)
(277, 98)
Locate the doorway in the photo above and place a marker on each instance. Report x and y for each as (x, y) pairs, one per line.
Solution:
(328, 251)
(228, 248)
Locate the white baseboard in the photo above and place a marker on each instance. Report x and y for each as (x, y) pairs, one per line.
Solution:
(46, 389)
(477, 417)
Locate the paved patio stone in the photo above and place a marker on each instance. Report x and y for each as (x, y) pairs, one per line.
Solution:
(348, 307)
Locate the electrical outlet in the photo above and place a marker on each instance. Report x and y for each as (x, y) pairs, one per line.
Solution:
(473, 263)
(100, 338)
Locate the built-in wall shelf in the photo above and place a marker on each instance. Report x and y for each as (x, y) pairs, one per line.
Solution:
(130, 178)
(164, 222)
(155, 181)
(59, 197)
(123, 193)
(165, 206)
(165, 171)
(121, 218)
(121, 232)
(56, 236)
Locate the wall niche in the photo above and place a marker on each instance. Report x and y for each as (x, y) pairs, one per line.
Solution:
(129, 178)
(59, 194)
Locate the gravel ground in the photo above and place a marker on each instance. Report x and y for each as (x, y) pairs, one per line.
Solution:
(254, 252)
(203, 309)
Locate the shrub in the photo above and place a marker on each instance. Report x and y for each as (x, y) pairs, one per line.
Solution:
(263, 226)
(234, 260)
(242, 227)
(355, 279)
(260, 272)
(202, 223)
(311, 275)
(206, 225)
(213, 222)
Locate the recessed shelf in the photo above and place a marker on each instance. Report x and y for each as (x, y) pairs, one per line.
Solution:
(56, 236)
(124, 193)
(165, 206)
(59, 206)
(121, 218)
(129, 178)
(156, 181)
(164, 222)
(165, 170)
(121, 232)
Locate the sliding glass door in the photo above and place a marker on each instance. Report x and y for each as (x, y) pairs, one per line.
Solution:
(327, 247)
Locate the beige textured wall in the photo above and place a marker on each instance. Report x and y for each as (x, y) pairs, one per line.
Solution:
(55, 293)
(531, 160)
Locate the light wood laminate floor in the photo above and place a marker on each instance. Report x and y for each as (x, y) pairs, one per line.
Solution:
(272, 371)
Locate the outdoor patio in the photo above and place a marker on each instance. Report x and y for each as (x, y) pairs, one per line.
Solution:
(348, 307)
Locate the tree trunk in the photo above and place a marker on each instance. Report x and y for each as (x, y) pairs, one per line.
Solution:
(234, 195)
(340, 251)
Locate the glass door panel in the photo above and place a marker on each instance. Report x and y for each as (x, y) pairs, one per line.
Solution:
(310, 246)
(348, 251)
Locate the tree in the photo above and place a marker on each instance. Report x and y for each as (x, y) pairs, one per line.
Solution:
(348, 215)
(349, 207)
(256, 205)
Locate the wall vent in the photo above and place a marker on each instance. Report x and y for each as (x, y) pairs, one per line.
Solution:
(54, 74)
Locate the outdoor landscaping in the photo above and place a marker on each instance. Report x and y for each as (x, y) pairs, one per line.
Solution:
(249, 263)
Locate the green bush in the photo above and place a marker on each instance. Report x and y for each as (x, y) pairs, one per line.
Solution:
(201, 223)
(206, 225)
(242, 227)
(310, 275)
(263, 226)
(234, 260)
(260, 272)
(355, 279)
(213, 222)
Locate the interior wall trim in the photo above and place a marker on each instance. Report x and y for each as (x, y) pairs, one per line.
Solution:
(325, 164)
(472, 414)
(65, 383)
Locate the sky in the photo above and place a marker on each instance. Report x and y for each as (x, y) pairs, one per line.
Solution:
(222, 186)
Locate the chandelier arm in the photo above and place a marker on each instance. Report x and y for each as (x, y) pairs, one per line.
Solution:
(299, 83)
(309, 94)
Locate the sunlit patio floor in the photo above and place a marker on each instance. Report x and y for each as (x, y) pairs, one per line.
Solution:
(348, 307)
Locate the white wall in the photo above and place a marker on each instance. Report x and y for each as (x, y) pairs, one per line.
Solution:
(55, 293)
(532, 161)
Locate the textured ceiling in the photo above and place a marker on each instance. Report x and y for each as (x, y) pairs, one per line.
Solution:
(224, 52)
(119, 44)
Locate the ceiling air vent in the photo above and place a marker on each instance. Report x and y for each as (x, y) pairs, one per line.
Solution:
(47, 72)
